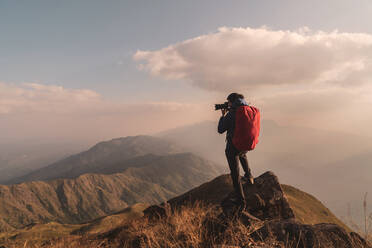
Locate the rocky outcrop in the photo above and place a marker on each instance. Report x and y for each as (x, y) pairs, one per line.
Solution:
(265, 199)
(269, 214)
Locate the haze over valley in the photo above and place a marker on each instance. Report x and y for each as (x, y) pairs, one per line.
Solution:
(317, 161)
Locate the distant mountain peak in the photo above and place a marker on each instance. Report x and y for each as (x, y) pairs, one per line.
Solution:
(126, 140)
(102, 155)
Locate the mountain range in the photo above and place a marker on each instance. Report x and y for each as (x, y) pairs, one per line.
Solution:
(108, 177)
(115, 174)
(24, 157)
(104, 157)
(307, 210)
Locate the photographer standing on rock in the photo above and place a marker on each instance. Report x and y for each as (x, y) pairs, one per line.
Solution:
(242, 123)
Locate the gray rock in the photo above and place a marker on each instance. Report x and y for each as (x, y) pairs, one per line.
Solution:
(265, 199)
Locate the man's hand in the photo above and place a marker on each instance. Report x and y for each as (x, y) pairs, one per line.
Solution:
(223, 111)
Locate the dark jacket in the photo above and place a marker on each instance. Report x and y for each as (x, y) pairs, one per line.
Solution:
(227, 123)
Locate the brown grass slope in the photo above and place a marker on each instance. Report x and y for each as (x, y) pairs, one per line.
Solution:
(307, 209)
(182, 228)
(93, 195)
(37, 234)
(199, 225)
(186, 226)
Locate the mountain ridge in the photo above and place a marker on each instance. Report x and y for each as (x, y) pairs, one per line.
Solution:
(207, 217)
(101, 155)
(93, 195)
(212, 191)
(307, 208)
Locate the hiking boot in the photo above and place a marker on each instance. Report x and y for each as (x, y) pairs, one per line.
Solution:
(248, 179)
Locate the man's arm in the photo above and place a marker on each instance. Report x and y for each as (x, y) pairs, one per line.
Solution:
(224, 123)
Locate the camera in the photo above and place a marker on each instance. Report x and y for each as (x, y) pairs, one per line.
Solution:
(225, 105)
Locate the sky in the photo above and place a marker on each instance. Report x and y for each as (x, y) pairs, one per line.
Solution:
(93, 70)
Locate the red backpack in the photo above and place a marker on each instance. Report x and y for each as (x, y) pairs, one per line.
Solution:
(247, 128)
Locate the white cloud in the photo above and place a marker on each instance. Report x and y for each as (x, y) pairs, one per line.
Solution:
(235, 59)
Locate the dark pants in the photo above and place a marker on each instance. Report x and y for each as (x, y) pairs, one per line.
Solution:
(233, 157)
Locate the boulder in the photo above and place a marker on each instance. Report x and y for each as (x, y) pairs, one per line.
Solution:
(265, 199)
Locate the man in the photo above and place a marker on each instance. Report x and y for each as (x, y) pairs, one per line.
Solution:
(227, 123)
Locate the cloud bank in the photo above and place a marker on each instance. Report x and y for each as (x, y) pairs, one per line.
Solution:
(35, 97)
(246, 58)
(51, 112)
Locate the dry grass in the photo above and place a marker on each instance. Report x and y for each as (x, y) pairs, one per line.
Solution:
(189, 226)
(57, 233)
(181, 228)
(365, 229)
